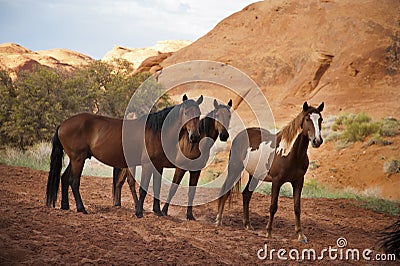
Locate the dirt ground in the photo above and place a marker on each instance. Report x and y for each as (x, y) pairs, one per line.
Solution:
(33, 234)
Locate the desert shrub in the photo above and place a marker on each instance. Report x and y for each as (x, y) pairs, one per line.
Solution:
(356, 127)
(391, 166)
(389, 127)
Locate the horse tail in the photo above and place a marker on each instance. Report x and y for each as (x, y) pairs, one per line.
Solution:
(235, 191)
(53, 181)
(233, 181)
(390, 239)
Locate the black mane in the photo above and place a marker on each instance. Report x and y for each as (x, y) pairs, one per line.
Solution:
(155, 121)
(168, 115)
(207, 124)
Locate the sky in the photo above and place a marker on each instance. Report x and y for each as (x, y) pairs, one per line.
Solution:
(94, 27)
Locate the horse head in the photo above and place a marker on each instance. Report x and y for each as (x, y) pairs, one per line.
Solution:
(190, 117)
(222, 119)
(312, 123)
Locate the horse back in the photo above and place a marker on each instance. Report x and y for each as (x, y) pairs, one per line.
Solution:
(85, 135)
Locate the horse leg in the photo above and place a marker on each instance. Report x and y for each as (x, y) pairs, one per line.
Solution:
(144, 185)
(118, 181)
(297, 188)
(77, 167)
(194, 179)
(276, 186)
(64, 187)
(132, 184)
(156, 190)
(247, 193)
(176, 180)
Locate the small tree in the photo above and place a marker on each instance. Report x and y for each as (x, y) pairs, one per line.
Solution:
(37, 108)
(7, 98)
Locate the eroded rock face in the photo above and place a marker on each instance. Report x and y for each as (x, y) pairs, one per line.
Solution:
(138, 55)
(341, 52)
(16, 58)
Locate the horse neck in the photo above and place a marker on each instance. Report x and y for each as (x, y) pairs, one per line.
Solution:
(300, 147)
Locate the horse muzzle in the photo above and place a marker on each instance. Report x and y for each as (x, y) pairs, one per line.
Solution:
(223, 136)
(194, 138)
(316, 142)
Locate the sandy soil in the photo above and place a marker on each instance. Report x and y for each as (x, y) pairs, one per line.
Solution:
(31, 233)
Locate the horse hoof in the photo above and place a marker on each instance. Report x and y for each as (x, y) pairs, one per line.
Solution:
(65, 208)
(139, 214)
(190, 218)
(159, 213)
(83, 211)
(165, 211)
(303, 240)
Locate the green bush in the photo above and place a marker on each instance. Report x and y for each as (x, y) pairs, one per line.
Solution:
(40, 99)
(356, 127)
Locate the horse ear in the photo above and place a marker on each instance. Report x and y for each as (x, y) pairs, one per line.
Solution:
(184, 98)
(321, 107)
(215, 104)
(305, 106)
(230, 103)
(200, 100)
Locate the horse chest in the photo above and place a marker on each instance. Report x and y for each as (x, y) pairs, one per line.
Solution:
(258, 162)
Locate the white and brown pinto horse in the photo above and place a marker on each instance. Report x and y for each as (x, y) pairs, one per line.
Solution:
(277, 158)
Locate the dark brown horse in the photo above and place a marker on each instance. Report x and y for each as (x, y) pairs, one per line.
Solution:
(163, 148)
(85, 135)
(212, 126)
(390, 239)
(277, 159)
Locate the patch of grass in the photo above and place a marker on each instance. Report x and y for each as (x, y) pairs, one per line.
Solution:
(37, 157)
(265, 188)
(313, 165)
(380, 205)
(313, 189)
(209, 176)
(348, 128)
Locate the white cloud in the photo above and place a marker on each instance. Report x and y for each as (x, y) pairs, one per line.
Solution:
(94, 27)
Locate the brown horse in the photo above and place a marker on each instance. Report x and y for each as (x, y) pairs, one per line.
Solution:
(277, 158)
(212, 126)
(85, 135)
(390, 239)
